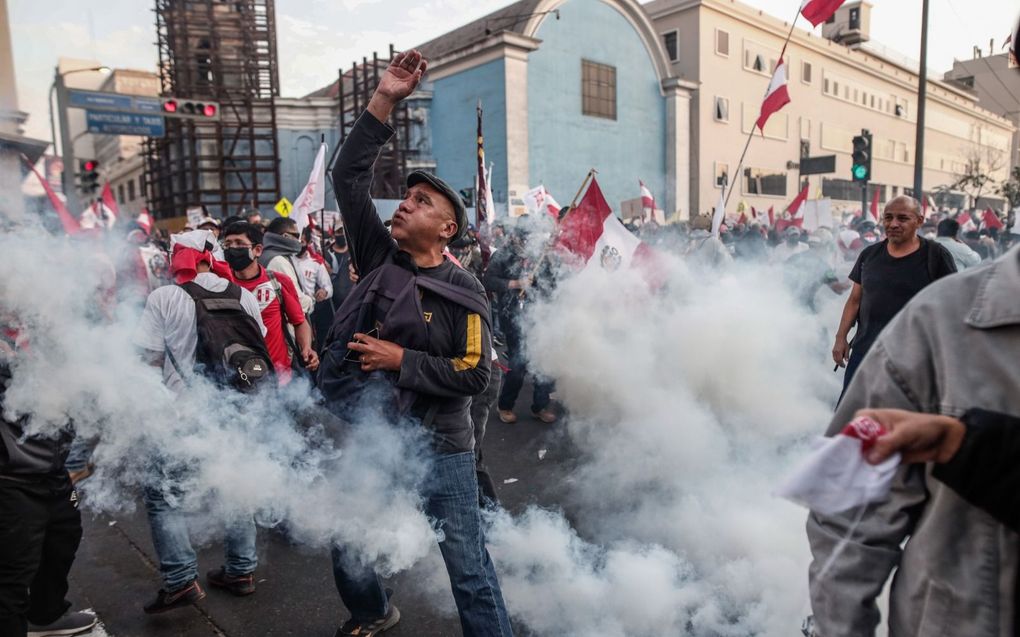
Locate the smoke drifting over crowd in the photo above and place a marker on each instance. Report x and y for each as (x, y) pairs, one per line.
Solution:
(685, 406)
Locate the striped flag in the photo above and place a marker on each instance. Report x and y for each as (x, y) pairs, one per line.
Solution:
(818, 11)
(776, 98)
(483, 192)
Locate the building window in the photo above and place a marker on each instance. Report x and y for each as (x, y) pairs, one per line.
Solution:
(722, 174)
(825, 86)
(131, 190)
(805, 72)
(722, 42)
(598, 89)
(120, 193)
(763, 181)
(722, 109)
(670, 40)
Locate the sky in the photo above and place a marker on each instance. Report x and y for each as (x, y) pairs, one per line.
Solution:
(316, 37)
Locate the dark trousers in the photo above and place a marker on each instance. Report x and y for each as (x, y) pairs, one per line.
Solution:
(514, 379)
(481, 406)
(40, 529)
(852, 363)
(450, 492)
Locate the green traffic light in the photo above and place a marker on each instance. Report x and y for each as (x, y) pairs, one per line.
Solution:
(860, 172)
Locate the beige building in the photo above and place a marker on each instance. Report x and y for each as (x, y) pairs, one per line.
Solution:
(995, 79)
(838, 85)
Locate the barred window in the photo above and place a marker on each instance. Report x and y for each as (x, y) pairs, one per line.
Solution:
(598, 89)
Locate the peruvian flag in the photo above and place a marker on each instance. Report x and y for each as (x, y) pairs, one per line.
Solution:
(775, 98)
(797, 202)
(647, 200)
(580, 230)
(966, 222)
(67, 220)
(145, 221)
(109, 205)
(313, 198)
(990, 220)
(874, 205)
(818, 11)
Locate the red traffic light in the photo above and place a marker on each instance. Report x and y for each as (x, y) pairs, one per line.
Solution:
(91, 165)
(170, 106)
(209, 110)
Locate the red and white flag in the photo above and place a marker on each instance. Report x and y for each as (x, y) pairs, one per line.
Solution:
(145, 221)
(775, 98)
(110, 209)
(818, 11)
(874, 205)
(966, 222)
(313, 198)
(797, 202)
(67, 220)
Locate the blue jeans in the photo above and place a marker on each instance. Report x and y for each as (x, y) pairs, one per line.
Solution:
(178, 564)
(451, 498)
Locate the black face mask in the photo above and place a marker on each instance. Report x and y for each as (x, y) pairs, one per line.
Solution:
(340, 244)
(238, 258)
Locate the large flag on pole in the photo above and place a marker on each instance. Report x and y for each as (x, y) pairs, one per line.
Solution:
(990, 220)
(490, 205)
(797, 202)
(818, 11)
(775, 98)
(482, 192)
(581, 229)
(68, 221)
(313, 198)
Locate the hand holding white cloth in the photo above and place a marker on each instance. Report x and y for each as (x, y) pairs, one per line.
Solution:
(836, 477)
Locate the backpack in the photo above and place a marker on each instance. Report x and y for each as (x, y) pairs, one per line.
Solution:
(386, 304)
(231, 350)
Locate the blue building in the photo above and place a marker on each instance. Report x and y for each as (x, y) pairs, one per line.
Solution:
(565, 85)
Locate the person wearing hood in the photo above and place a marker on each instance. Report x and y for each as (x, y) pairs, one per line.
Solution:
(281, 250)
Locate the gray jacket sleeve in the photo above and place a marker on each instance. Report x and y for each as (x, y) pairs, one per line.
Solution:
(851, 565)
(466, 374)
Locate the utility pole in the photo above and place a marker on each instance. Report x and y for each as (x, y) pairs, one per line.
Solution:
(66, 145)
(922, 98)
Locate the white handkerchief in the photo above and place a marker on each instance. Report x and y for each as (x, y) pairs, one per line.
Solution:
(836, 477)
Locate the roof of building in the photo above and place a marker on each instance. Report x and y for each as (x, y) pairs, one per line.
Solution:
(513, 18)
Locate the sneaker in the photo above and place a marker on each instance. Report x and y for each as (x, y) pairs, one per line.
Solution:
(239, 585)
(547, 415)
(354, 628)
(507, 416)
(169, 600)
(71, 623)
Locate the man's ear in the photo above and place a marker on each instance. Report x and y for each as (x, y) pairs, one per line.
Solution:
(449, 231)
(257, 250)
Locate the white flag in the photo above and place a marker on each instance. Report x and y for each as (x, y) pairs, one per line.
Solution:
(490, 205)
(720, 212)
(313, 198)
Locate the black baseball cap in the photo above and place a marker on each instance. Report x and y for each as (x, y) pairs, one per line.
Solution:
(459, 211)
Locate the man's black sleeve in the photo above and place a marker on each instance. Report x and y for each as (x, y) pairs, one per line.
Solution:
(986, 469)
(855, 273)
(497, 275)
(370, 243)
(464, 374)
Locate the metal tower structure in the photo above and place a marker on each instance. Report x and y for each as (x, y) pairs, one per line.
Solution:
(222, 51)
(354, 89)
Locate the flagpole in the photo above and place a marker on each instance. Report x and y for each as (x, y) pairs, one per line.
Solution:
(747, 144)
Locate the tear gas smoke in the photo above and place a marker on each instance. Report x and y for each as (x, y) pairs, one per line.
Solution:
(687, 407)
(214, 452)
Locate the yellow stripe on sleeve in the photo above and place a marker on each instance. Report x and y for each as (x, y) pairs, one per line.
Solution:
(474, 345)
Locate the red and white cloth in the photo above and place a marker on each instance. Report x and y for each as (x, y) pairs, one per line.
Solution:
(313, 198)
(836, 477)
(775, 98)
(540, 202)
(187, 250)
(818, 11)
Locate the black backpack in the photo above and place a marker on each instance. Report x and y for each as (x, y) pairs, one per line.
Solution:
(386, 304)
(231, 350)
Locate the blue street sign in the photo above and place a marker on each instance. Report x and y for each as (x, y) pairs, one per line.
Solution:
(101, 101)
(111, 123)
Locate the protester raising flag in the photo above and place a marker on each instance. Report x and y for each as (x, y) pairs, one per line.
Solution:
(775, 98)
(797, 202)
(818, 11)
(312, 199)
(483, 190)
(966, 222)
(67, 220)
(581, 229)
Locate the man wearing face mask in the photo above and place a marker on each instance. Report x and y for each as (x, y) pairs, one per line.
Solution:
(276, 295)
(281, 250)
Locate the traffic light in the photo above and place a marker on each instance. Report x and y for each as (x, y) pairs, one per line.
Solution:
(88, 171)
(861, 169)
(190, 109)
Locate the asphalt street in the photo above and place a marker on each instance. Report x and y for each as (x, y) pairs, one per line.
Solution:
(115, 571)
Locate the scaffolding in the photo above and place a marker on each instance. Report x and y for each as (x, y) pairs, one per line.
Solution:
(354, 89)
(223, 51)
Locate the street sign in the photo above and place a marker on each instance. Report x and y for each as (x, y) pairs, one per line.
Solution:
(113, 123)
(103, 101)
(817, 165)
(283, 206)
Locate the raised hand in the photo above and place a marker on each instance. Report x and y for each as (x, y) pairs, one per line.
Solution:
(401, 78)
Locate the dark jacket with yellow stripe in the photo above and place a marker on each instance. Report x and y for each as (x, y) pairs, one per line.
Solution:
(456, 365)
